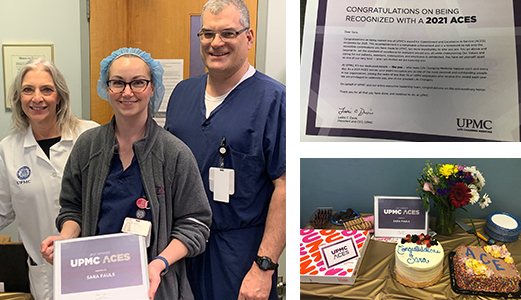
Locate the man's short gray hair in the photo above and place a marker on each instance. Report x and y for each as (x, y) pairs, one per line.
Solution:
(216, 6)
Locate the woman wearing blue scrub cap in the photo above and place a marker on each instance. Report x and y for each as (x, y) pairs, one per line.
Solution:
(156, 75)
(133, 168)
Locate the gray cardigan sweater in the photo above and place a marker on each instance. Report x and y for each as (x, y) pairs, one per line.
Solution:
(172, 182)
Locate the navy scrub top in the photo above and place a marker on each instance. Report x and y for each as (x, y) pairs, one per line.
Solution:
(122, 189)
(252, 118)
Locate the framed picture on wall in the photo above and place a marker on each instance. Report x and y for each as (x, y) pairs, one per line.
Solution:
(399, 216)
(15, 56)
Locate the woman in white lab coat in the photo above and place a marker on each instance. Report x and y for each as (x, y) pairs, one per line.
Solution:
(32, 159)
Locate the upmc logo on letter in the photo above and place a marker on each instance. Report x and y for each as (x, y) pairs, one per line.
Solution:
(484, 126)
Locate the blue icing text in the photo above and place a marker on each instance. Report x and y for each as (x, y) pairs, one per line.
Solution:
(402, 250)
(482, 257)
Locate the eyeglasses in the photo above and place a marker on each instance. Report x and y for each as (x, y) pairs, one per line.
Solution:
(44, 90)
(226, 35)
(137, 86)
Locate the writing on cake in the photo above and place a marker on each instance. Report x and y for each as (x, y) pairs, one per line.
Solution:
(487, 268)
(412, 259)
(418, 261)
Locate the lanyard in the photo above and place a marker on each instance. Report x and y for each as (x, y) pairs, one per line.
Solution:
(223, 149)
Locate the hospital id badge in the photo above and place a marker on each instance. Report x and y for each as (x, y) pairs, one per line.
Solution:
(222, 183)
(138, 227)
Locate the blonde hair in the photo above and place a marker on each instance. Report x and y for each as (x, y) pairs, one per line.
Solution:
(65, 120)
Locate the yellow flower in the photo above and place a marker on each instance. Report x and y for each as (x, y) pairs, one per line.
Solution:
(509, 260)
(480, 269)
(476, 265)
(447, 170)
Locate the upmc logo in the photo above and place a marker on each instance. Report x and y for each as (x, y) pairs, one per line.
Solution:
(474, 125)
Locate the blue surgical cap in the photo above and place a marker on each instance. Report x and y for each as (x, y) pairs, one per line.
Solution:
(155, 67)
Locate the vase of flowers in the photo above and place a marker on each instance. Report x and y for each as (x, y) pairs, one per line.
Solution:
(445, 220)
(451, 187)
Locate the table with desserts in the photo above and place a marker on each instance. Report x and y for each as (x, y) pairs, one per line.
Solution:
(376, 281)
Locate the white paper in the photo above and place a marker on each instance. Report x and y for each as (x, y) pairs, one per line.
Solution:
(437, 68)
(172, 76)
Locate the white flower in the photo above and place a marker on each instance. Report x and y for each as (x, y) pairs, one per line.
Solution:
(470, 169)
(474, 193)
(485, 201)
(478, 177)
(481, 179)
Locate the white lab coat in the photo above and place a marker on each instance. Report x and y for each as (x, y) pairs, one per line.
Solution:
(30, 185)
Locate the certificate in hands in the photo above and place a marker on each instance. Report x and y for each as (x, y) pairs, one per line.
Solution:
(112, 266)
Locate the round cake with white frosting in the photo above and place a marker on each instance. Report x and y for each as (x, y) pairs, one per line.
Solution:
(418, 261)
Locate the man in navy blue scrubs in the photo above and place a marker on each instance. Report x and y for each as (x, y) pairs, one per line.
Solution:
(234, 120)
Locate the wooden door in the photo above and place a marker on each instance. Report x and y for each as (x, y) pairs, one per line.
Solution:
(160, 27)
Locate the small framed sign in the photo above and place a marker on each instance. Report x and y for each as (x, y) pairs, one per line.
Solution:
(112, 266)
(399, 216)
(16, 56)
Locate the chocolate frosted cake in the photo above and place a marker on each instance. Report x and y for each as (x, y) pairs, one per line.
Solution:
(486, 269)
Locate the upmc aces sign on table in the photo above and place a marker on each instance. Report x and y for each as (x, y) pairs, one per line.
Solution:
(110, 266)
(399, 216)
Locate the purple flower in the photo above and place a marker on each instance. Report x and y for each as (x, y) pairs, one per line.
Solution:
(442, 191)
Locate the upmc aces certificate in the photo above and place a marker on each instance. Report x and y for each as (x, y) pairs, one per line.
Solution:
(418, 70)
(110, 266)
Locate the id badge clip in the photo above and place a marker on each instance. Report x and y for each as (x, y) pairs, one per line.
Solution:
(139, 227)
(222, 180)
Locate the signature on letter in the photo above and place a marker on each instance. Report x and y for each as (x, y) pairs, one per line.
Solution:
(357, 111)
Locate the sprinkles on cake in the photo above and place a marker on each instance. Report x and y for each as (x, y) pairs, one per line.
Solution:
(487, 269)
